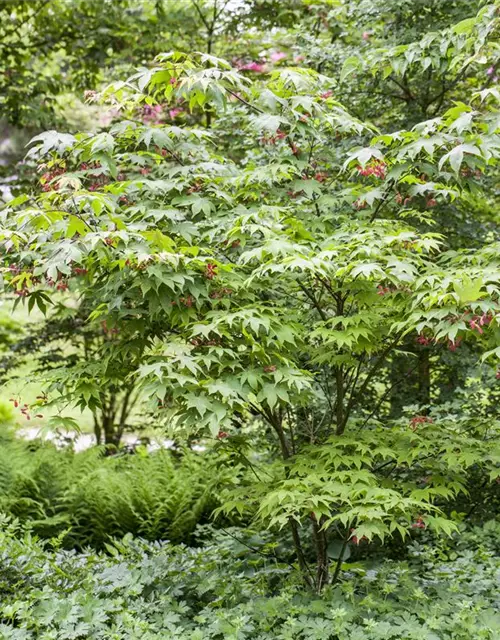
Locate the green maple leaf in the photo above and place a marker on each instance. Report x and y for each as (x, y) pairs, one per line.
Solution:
(468, 290)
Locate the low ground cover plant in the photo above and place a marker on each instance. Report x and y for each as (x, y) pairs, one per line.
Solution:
(233, 587)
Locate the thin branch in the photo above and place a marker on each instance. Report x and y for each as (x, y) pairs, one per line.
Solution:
(338, 566)
(377, 407)
(403, 87)
(382, 200)
(353, 376)
(312, 298)
(440, 96)
(355, 396)
(245, 102)
(16, 27)
(328, 286)
(261, 553)
(200, 13)
(77, 214)
(220, 12)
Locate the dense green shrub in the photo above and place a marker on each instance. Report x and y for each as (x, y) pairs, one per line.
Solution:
(221, 590)
(273, 256)
(91, 497)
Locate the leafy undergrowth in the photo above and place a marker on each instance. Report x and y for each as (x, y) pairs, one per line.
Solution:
(90, 497)
(222, 590)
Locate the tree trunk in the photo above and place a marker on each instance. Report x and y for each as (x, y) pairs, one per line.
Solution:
(299, 552)
(111, 438)
(97, 429)
(114, 413)
(277, 425)
(322, 560)
(339, 401)
(396, 392)
(340, 415)
(424, 377)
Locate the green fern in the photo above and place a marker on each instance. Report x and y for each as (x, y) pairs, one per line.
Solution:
(96, 498)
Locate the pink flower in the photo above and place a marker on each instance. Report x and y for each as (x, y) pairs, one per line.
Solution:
(320, 176)
(326, 95)
(416, 420)
(366, 35)
(475, 324)
(454, 344)
(376, 168)
(490, 71)
(276, 56)
(107, 117)
(486, 318)
(90, 95)
(252, 66)
(383, 291)
(359, 204)
(173, 113)
(152, 114)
